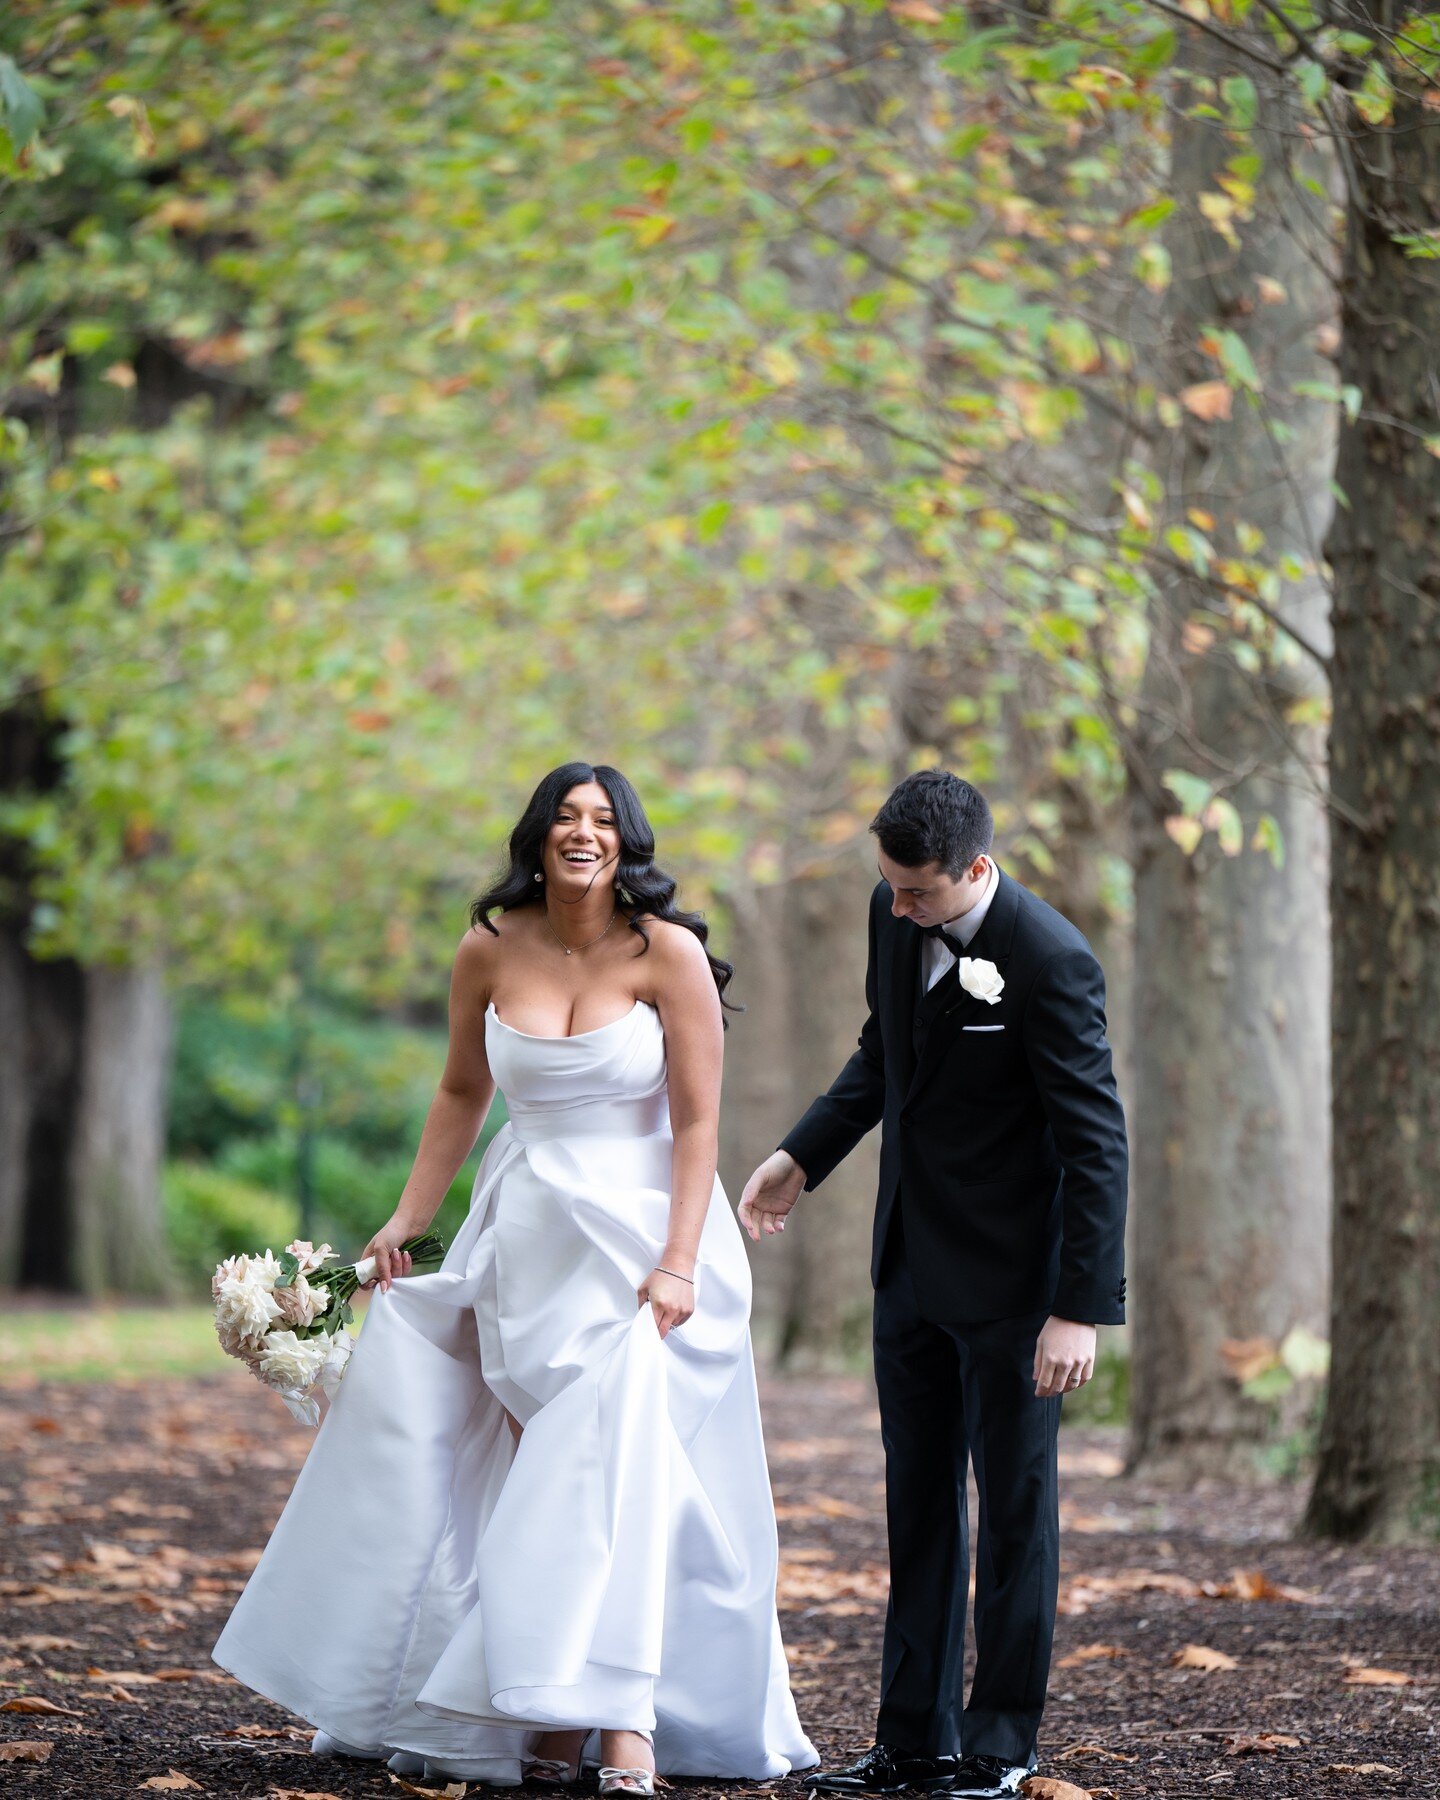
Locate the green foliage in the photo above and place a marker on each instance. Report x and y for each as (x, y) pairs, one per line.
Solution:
(355, 1191)
(402, 407)
(210, 1215)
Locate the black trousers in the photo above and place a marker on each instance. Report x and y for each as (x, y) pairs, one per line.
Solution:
(952, 1394)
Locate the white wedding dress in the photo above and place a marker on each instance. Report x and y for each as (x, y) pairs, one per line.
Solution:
(432, 1586)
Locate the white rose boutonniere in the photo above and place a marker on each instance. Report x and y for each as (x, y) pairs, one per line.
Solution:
(981, 978)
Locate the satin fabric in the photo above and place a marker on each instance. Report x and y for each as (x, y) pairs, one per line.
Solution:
(434, 1587)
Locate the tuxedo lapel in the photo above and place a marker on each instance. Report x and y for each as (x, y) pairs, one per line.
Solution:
(991, 943)
(904, 957)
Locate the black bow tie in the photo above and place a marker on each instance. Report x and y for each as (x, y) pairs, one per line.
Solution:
(939, 931)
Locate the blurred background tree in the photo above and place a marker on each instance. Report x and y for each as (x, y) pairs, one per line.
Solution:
(768, 400)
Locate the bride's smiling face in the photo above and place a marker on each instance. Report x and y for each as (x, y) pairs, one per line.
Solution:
(582, 846)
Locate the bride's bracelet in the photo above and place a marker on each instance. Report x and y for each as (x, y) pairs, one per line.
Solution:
(659, 1270)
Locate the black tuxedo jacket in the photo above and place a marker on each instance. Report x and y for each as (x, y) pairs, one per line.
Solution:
(1004, 1149)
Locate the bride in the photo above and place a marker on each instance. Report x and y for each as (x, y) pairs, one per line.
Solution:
(538, 1507)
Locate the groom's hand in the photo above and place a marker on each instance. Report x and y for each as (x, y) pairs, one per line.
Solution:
(770, 1193)
(1064, 1357)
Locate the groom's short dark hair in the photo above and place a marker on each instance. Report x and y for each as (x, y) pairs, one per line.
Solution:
(934, 816)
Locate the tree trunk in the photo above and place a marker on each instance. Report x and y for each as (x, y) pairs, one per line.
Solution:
(1379, 1469)
(799, 954)
(84, 1067)
(1229, 1126)
(118, 1153)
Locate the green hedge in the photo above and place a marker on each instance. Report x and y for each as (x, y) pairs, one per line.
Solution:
(210, 1215)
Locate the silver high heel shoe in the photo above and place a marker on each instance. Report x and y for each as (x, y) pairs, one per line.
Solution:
(631, 1781)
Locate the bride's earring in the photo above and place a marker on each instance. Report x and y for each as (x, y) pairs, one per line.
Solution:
(539, 876)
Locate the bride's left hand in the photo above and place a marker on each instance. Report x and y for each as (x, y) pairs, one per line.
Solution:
(669, 1298)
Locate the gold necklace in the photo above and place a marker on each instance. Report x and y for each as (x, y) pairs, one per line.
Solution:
(571, 949)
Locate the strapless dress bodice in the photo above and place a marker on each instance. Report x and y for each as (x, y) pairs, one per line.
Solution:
(609, 1082)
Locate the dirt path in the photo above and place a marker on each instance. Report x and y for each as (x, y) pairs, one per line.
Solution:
(132, 1513)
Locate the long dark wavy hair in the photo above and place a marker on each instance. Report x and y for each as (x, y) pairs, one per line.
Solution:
(641, 885)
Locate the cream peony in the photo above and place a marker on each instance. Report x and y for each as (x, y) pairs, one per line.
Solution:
(981, 978)
(289, 1362)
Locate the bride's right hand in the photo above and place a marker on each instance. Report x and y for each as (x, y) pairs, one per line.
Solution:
(770, 1193)
(390, 1259)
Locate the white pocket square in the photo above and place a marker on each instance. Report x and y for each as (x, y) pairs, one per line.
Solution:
(982, 1027)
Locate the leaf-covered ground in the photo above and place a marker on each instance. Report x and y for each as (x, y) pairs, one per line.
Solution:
(1199, 1651)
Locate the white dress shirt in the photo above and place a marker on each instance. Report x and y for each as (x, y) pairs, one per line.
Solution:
(940, 952)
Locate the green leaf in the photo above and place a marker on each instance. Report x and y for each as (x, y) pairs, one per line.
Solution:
(1239, 92)
(1236, 361)
(20, 106)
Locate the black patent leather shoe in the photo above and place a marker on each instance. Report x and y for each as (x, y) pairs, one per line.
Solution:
(988, 1778)
(885, 1770)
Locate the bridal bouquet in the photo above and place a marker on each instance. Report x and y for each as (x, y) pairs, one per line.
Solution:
(285, 1316)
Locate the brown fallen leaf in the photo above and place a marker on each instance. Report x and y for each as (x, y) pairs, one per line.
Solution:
(1359, 1769)
(1076, 1751)
(36, 1750)
(41, 1640)
(1270, 1741)
(1200, 1656)
(172, 1780)
(269, 1731)
(133, 1676)
(1255, 1584)
(122, 1694)
(1047, 1787)
(452, 1790)
(300, 1794)
(1092, 1653)
(34, 1703)
(1082, 1592)
(1377, 1678)
(837, 1509)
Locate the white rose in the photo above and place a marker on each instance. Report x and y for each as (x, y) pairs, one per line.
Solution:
(245, 1307)
(981, 978)
(232, 1269)
(289, 1362)
(336, 1358)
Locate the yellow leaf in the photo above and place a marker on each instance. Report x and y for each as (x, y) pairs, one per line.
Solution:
(105, 479)
(780, 365)
(1187, 833)
(44, 372)
(1272, 292)
(1139, 512)
(1200, 1656)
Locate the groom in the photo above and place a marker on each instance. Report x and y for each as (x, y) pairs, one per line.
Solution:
(999, 1245)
